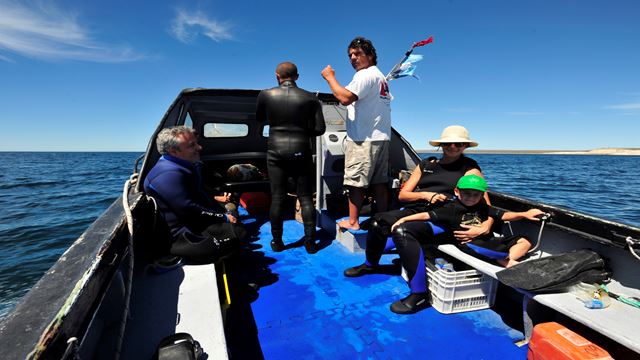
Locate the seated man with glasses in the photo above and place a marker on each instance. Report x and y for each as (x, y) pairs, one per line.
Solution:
(201, 230)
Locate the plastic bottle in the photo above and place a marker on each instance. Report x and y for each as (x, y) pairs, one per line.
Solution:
(440, 262)
(592, 296)
(594, 304)
(448, 267)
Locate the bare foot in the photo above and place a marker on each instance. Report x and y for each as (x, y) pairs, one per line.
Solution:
(345, 224)
(507, 262)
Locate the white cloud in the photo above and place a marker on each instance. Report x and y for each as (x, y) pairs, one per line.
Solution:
(186, 26)
(627, 106)
(42, 31)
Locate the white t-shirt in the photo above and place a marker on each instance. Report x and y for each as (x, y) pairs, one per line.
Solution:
(369, 118)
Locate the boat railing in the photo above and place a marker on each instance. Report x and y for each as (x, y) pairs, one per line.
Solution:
(59, 305)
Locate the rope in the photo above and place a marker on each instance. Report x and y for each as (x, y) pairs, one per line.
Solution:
(133, 179)
(630, 242)
(71, 352)
(629, 301)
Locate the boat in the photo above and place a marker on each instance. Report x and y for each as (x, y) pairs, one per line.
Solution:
(108, 297)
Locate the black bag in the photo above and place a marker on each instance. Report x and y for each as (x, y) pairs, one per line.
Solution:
(556, 273)
(180, 346)
(153, 240)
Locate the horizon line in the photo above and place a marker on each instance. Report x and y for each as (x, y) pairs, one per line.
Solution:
(432, 150)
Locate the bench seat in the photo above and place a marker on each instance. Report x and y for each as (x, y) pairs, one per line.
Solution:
(199, 311)
(618, 321)
(184, 299)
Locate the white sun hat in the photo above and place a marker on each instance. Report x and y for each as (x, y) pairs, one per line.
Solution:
(454, 134)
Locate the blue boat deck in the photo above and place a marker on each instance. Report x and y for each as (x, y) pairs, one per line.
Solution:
(313, 312)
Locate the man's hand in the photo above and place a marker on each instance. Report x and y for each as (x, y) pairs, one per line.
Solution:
(224, 198)
(344, 96)
(328, 73)
(232, 219)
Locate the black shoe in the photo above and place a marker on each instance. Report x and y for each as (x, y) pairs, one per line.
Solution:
(277, 245)
(411, 304)
(310, 238)
(311, 246)
(360, 270)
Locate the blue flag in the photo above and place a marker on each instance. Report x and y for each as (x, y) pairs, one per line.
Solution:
(406, 68)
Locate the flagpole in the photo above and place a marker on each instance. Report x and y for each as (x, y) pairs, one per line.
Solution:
(397, 66)
(407, 54)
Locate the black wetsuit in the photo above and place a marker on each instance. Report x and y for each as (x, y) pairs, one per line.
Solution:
(436, 177)
(295, 119)
(199, 227)
(486, 247)
(175, 184)
(410, 237)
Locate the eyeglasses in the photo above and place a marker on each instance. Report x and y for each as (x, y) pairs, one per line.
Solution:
(457, 144)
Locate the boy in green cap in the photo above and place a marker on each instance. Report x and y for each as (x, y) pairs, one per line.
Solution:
(469, 208)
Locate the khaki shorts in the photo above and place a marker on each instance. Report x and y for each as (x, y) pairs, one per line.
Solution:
(366, 163)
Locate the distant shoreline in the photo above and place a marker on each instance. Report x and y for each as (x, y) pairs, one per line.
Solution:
(602, 151)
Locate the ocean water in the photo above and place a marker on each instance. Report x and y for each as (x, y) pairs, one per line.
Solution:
(601, 185)
(47, 199)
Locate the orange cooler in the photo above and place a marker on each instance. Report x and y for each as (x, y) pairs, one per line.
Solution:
(552, 341)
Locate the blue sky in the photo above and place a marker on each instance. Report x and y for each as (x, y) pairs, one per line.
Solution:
(99, 75)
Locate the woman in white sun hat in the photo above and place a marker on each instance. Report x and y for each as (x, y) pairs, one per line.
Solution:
(431, 184)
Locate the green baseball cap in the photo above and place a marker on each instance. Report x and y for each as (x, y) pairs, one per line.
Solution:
(473, 182)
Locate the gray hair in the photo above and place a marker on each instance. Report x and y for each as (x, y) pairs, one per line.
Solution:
(168, 138)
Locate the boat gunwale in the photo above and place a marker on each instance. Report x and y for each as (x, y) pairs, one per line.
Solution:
(56, 307)
(77, 281)
(586, 226)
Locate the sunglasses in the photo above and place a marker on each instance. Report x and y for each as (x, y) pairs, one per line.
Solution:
(457, 144)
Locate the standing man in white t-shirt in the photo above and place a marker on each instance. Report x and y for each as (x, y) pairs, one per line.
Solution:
(368, 101)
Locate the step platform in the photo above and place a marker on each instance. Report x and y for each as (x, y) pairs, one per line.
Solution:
(354, 240)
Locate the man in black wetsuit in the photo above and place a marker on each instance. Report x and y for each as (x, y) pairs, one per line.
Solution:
(201, 231)
(295, 119)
